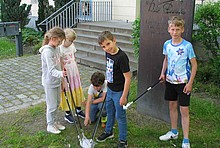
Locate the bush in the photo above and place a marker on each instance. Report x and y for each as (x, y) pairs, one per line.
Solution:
(32, 40)
(207, 17)
(136, 36)
(30, 37)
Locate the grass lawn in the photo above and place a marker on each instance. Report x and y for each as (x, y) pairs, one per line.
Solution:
(7, 48)
(27, 128)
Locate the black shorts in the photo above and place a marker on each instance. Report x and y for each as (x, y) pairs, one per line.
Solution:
(174, 92)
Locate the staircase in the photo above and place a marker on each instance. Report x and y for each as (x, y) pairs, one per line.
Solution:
(91, 54)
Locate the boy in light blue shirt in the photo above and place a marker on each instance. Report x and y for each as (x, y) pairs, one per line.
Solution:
(179, 70)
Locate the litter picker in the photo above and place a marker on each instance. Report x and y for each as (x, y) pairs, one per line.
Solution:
(92, 143)
(84, 142)
(149, 88)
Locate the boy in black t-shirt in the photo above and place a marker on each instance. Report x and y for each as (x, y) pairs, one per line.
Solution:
(119, 77)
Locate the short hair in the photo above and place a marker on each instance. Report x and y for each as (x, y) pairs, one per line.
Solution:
(53, 32)
(177, 21)
(97, 79)
(70, 33)
(104, 36)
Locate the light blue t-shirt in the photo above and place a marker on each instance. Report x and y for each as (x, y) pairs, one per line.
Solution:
(178, 56)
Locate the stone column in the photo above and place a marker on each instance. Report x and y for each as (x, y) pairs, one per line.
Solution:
(153, 33)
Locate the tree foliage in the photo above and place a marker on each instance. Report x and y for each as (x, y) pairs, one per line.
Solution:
(60, 3)
(11, 10)
(207, 17)
(44, 11)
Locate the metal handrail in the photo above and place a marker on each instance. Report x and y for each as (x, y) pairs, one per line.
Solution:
(74, 12)
(58, 11)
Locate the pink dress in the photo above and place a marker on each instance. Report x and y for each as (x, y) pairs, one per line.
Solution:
(70, 64)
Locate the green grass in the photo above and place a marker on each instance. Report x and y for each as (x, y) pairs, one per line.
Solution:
(27, 128)
(7, 48)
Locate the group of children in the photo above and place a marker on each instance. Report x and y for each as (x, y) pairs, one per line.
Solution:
(58, 62)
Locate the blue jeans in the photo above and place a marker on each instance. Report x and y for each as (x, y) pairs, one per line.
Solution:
(114, 110)
(94, 109)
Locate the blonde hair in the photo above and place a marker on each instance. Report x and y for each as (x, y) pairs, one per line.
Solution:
(55, 32)
(70, 33)
(177, 21)
(104, 36)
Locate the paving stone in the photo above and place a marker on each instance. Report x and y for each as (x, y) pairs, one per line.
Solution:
(7, 104)
(21, 96)
(16, 102)
(21, 82)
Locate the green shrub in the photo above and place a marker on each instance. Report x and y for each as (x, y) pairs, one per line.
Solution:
(30, 37)
(136, 36)
(207, 17)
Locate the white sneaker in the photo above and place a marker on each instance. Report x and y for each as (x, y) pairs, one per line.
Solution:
(53, 129)
(169, 135)
(59, 126)
(185, 145)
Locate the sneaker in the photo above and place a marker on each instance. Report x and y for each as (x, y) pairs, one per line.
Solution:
(81, 114)
(69, 118)
(59, 126)
(53, 129)
(104, 136)
(185, 145)
(122, 144)
(169, 135)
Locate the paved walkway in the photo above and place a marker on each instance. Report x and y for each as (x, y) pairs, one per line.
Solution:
(20, 82)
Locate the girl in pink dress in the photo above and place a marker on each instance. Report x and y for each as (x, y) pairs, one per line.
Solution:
(69, 63)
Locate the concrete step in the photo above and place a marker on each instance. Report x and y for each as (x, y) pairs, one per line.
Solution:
(112, 26)
(91, 54)
(99, 63)
(93, 39)
(81, 45)
(95, 33)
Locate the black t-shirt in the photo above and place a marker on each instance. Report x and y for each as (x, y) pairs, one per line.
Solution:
(116, 65)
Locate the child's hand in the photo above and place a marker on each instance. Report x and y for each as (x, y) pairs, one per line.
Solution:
(123, 101)
(84, 103)
(64, 73)
(87, 121)
(187, 89)
(162, 78)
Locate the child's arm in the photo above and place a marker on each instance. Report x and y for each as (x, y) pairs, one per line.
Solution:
(188, 88)
(99, 100)
(51, 65)
(87, 113)
(162, 74)
(123, 99)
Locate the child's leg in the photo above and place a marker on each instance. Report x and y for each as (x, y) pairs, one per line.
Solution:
(120, 116)
(104, 114)
(173, 114)
(184, 101)
(93, 112)
(110, 109)
(185, 120)
(52, 102)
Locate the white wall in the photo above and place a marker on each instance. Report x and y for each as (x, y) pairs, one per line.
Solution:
(124, 10)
